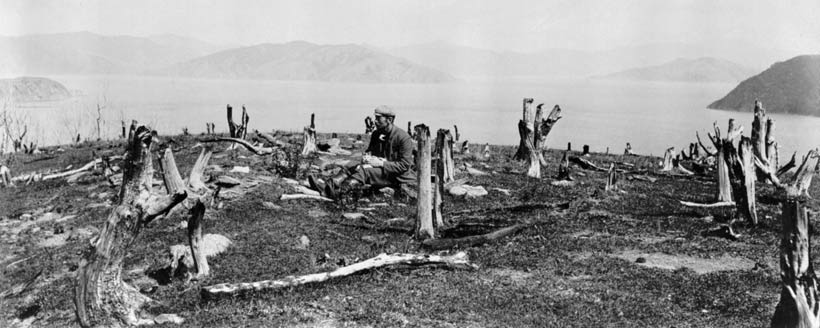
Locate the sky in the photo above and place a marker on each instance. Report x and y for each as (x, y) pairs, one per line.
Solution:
(505, 25)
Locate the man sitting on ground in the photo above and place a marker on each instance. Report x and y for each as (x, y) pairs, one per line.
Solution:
(388, 161)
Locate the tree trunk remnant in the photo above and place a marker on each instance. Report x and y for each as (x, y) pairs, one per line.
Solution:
(771, 146)
(486, 152)
(309, 137)
(424, 220)
(628, 149)
(543, 126)
(799, 305)
(667, 159)
(563, 168)
(445, 166)
(759, 135)
(438, 188)
(198, 196)
(100, 296)
(243, 134)
(612, 178)
(746, 183)
(231, 125)
(534, 170)
(457, 136)
(725, 157)
(525, 132)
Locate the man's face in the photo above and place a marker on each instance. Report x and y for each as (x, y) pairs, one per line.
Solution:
(382, 122)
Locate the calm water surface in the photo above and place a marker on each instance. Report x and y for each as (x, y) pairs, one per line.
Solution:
(651, 116)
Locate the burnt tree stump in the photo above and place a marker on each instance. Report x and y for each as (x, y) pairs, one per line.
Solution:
(101, 297)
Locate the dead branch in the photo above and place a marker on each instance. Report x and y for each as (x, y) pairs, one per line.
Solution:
(712, 205)
(304, 196)
(441, 244)
(458, 260)
(254, 149)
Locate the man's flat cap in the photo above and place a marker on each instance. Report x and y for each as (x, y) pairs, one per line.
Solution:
(384, 111)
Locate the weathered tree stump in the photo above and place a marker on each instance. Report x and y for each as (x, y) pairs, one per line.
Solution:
(667, 159)
(612, 178)
(424, 220)
(725, 157)
(445, 166)
(525, 132)
(799, 303)
(486, 151)
(563, 168)
(746, 181)
(100, 296)
(309, 137)
(628, 149)
(198, 196)
(543, 126)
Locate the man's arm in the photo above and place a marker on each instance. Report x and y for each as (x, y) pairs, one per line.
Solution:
(405, 161)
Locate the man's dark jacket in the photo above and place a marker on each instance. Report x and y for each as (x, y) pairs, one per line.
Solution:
(397, 147)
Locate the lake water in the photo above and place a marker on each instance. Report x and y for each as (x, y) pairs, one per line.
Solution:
(651, 116)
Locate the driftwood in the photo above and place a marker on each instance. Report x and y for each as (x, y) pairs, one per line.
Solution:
(100, 296)
(424, 211)
(458, 260)
(440, 244)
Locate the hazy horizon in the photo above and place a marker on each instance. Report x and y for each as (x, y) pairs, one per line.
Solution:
(514, 26)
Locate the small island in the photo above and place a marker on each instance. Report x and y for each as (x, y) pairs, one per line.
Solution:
(32, 89)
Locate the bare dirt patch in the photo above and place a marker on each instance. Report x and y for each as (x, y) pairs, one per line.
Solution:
(697, 264)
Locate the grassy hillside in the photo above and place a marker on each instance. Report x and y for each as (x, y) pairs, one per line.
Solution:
(633, 257)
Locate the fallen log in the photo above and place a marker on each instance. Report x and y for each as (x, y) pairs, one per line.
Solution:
(585, 164)
(254, 149)
(458, 260)
(712, 205)
(304, 196)
(513, 208)
(449, 243)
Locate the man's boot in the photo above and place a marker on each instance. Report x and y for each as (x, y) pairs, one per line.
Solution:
(317, 184)
(337, 191)
(332, 186)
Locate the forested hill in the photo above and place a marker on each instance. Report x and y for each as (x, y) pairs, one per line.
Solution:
(791, 86)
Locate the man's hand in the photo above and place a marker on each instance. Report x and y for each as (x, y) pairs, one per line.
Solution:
(373, 161)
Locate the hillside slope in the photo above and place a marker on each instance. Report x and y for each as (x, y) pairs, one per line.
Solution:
(301, 60)
(791, 87)
(704, 69)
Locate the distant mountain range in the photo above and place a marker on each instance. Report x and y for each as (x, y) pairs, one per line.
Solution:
(791, 86)
(704, 69)
(301, 60)
(88, 53)
(471, 62)
(32, 89)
